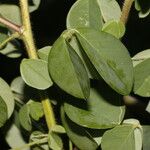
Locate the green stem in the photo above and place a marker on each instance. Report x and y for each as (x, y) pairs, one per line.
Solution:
(126, 10)
(48, 111)
(31, 50)
(13, 36)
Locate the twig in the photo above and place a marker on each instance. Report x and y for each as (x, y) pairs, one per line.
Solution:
(126, 10)
(11, 25)
(27, 32)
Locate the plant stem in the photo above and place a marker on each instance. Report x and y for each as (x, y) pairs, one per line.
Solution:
(48, 111)
(31, 50)
(27, 32)
(126, 10)
(11, 25)
(13, 36)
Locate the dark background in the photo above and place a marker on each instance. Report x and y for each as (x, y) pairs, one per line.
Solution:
(49, 21)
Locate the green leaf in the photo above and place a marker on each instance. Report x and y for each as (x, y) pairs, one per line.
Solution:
(7, 96)
(144, 14)
(143, 6)
(54, 141)
(43, 52)
(14, 137)
(35, 5)
(148, 107)
(22, 92)
(79, 136)
(13, 133)
(146, 139)
(24, 118)
(31, 109)
(138, 132)
(93, 114)
(3, 112)
(11, 51)
(40, 139)
(110, 10)
(3, 34)
(132, 121)
(116, 28)
(140, 57)
(137, 5)
(127, 136)
(36, 135)
(142, 79)
(35, 73)
(92, 73)
(110, 58)
(12, 13)
(17, 85)
(96, 134)
(67, 69)
(119, 138)
(36, 110)
(138, 135)
(85, 13)
(3, 37)
(58, 129)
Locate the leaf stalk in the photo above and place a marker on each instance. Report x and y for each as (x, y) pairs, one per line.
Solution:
(10, 38)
